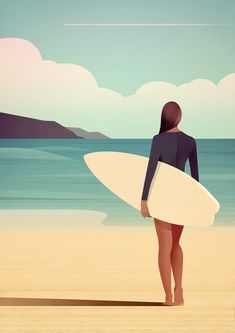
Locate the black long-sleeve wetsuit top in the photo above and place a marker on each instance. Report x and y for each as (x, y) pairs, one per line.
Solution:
(173, 148)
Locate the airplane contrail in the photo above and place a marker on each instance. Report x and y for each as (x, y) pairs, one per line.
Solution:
(147, 24)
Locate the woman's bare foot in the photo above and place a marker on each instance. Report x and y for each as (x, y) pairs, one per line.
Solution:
(168, 301)
(178, 296)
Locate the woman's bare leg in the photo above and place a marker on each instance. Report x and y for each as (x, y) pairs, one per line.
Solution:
(164, 234)
(177, 263)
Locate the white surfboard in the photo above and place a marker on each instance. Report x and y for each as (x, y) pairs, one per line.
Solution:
(174, 196)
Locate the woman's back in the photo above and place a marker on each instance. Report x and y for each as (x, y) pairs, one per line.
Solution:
(173, 148)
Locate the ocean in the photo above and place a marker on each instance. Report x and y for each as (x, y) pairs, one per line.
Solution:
(51, 174)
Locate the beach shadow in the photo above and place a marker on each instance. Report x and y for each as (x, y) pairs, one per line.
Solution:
(19, 301)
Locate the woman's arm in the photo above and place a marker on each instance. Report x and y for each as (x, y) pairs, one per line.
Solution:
(152, 164)
(193, 162)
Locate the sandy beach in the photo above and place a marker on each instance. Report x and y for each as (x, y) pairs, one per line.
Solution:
(106, 279)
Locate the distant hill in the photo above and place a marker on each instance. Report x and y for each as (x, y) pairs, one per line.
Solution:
(14, 126)
(86, 134)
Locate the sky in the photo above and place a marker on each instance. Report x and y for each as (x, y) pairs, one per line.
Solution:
(120, 76)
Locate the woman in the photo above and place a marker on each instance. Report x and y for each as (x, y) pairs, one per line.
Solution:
(172, 146)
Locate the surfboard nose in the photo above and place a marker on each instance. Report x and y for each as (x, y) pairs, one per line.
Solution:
(90, 157)
(87, 157)
(98, 159)
(96, 156)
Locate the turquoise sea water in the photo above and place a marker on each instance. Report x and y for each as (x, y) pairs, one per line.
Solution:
(51, 174)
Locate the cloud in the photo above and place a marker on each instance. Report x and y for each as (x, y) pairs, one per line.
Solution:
(69, 93)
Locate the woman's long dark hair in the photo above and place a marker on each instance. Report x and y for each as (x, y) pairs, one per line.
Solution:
(170, 117)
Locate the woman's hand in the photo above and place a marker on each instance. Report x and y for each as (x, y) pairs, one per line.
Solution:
(144, 209)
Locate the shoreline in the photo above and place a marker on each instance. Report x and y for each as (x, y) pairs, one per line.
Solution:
(72, 219)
